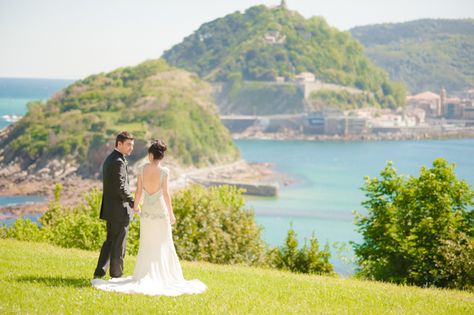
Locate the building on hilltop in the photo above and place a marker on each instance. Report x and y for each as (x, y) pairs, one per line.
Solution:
(274, 37)
(282, 5)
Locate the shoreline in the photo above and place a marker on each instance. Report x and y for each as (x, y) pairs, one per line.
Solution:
(290, 136)
(239, 171)
(74, 187)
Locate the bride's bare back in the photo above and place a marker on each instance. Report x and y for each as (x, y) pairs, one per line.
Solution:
(151, 178)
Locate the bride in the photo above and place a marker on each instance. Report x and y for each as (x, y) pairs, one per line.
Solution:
(157, 270)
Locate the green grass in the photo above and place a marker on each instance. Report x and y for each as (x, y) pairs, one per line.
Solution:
(40, 278)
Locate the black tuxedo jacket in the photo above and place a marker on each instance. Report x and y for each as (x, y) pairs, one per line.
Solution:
(117, 199)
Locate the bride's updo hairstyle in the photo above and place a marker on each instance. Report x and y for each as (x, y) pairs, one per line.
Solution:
(157, 148)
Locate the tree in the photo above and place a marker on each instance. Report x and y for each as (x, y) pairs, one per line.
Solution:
(418, 230)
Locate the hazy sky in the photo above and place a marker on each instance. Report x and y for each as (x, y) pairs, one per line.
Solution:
(73, 39)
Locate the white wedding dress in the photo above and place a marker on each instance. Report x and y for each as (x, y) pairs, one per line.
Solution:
(157, 270)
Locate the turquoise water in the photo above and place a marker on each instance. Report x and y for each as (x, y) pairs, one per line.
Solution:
(9, 218)
(16, 93)
(15, 200)
(12, 106)
(328, 177)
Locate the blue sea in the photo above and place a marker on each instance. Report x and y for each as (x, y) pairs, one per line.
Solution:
(16, 93)
(327, 176)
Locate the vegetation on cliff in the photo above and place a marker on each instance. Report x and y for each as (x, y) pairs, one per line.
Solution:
(265, 43)
(425, 54)
(151, 100)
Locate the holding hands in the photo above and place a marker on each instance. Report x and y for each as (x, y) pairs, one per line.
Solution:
(136, 208)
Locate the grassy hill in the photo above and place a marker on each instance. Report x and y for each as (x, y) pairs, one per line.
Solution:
(151, 100)
(259, 98)
(264, 43)
(425, 54)
(37, 278)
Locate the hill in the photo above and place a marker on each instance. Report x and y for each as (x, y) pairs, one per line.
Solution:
(151, 100)
(40, 278)
(265, 44)
(425, 54)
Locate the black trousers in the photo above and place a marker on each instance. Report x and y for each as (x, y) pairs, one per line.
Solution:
(113, 250)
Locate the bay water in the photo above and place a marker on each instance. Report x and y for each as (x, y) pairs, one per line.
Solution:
(16, 93)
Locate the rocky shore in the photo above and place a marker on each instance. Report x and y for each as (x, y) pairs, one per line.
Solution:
(19, 183)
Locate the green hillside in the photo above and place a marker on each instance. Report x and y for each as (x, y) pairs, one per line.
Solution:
(259, 98)
(265, 43)
(37, 278)
(151, 100)
(425, 54)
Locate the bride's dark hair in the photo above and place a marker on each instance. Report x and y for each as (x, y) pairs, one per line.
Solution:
(157, 148)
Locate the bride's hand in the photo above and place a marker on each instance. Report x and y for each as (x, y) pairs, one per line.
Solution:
(172, 219)
(136, 209)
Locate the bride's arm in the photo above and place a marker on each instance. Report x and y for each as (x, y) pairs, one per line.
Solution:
(138, 194)
(166, 196)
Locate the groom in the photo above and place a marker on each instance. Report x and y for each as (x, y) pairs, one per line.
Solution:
(116, 209)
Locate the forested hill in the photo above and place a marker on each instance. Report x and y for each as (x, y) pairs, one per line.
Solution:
(265, 43)
(151, 100)
(426, 54)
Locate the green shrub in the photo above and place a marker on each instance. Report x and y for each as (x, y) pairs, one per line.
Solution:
(23, 230)
(75, 227)
(304, 260)
(456, 255)
(212, 225)
(418, 230)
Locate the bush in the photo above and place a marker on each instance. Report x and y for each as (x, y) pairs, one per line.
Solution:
(305, 260)
(75, 227)
(418, 230)
(213, 226)
(23, 230)
(457, 257)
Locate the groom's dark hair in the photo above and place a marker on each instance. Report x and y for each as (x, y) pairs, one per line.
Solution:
(122, 137)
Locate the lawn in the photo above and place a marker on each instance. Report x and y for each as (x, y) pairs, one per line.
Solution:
(38, 278)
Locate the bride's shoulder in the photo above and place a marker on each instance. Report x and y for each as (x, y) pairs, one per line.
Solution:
(165, 170)
(142, 168)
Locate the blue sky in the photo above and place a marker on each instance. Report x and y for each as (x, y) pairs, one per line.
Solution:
(72, 39)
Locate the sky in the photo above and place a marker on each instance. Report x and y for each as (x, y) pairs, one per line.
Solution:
(71, 39)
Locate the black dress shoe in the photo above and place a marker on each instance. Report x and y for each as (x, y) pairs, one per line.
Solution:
(98, 276)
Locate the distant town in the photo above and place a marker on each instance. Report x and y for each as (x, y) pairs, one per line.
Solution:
(426, 115)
